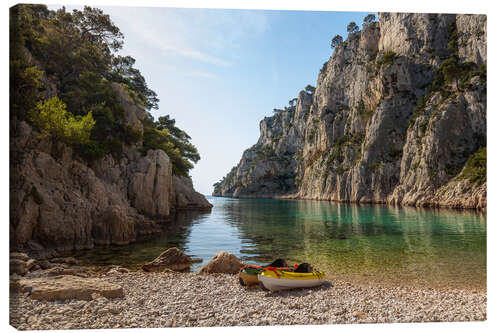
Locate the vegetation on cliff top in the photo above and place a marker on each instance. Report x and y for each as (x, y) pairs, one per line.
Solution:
(62, 66)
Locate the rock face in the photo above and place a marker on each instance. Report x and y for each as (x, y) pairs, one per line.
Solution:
(172, 259)
(61, 288)
(383, 125)
(222, 262)
(58, 201)
(184, 196)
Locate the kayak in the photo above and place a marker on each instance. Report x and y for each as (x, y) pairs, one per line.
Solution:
(249, 273)
(278, 279)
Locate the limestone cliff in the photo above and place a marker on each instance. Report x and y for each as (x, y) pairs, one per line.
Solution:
(384, 124)
(59, 201)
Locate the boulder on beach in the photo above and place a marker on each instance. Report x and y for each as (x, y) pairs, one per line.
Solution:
(171, 259)
(222, 262)
(61, 288)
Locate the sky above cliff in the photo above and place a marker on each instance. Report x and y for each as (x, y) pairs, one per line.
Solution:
(219, 72)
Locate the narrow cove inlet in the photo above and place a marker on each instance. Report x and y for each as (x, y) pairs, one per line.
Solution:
(347, 175)
(379, 244)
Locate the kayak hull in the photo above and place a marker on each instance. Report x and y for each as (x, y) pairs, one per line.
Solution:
(287, 280)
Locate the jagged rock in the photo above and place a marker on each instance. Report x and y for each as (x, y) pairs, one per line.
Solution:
(222, 262)
(60, 203)
(186, 198)
(61, 288)
(150, 188)
(171, 259)
(133, 114)
(113, 226)
(472, 37)
(359, 138)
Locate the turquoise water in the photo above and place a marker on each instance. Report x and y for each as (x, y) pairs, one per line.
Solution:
(369, 243)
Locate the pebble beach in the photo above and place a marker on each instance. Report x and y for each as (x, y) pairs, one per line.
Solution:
(172, 299)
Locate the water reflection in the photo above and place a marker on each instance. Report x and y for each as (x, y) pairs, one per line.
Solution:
(175, 233)
(432, 247)
(424, 246)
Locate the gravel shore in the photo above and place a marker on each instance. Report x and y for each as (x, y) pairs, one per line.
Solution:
(186, 299)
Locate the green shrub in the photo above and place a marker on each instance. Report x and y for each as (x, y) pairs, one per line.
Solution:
(419, 108)
(114, 146)
(482, 73)
(475, 167)
(177, 147)
(25, 85)
(52, 119)
(91, 151)
(453, 38)
(78, 52)
(387, 59)
(132, 136)
(423, 125)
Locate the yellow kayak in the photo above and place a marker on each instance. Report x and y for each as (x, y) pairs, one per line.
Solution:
(277, 279)
(249, 273)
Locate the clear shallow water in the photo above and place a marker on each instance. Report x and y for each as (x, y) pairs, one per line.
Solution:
(367, 243)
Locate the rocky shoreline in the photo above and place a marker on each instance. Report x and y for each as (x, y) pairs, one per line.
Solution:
(63, 295)
(455, 205)
(172, 299)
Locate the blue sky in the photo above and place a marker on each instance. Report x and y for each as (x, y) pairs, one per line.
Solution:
(219, 72)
